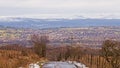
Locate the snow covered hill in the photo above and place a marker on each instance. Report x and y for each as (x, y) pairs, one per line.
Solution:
(55, 23)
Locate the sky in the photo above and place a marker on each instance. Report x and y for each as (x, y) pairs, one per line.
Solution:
(59, 8)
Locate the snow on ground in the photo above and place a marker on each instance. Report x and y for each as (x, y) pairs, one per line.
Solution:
(79, 65)
(32, 65)
(55, 64)
(59, 65)
(67, 64)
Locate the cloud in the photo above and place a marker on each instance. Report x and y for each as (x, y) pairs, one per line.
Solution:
(33, 3)
(21, 7)
(58, 3)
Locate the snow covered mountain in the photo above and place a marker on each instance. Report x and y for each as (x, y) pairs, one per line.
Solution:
(18, 22)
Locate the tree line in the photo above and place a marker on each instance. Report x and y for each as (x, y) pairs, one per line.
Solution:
(107, 56)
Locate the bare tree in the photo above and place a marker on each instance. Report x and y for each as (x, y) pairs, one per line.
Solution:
(111, 52)
(40, 43)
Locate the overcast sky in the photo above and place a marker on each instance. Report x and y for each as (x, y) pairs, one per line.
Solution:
(48, 8)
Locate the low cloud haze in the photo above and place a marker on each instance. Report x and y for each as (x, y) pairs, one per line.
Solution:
(59, 7)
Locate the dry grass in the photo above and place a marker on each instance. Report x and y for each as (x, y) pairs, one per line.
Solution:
(95, 62)
(15, 59)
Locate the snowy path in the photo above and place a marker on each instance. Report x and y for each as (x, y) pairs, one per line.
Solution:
(58, 65)
(55, 64)
(63, 65)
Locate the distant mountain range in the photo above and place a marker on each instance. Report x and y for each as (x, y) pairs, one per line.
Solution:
(55, 23)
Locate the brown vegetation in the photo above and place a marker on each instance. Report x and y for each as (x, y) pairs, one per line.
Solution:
(107, 57)
(39, 45)
(13, 56)
(16, 58)
(111, 52)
